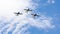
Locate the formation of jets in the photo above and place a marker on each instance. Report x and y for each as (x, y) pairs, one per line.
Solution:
(27, 10)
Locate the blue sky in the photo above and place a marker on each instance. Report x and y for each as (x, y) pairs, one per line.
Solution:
(47, 23)
(52, 10)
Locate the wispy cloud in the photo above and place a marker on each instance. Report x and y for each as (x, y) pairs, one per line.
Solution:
(51, 1)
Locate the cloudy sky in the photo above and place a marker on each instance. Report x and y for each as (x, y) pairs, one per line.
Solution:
(48, 21)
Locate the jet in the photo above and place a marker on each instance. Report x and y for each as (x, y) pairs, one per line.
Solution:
(17, 14)
(34, 15)
(27, 10)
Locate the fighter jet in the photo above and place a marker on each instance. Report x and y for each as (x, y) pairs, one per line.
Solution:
(27, 10)
(17, 14)
(34, 15)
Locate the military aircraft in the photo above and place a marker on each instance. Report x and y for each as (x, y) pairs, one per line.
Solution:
(17, 14)
(27, 10)
(34, 15)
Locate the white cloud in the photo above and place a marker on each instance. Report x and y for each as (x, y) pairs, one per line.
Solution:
(48, 2)
(8, 7)
(43, 23)
(51, 1)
